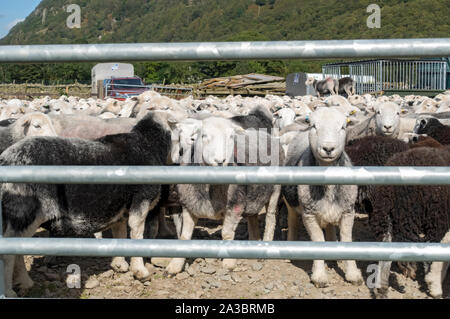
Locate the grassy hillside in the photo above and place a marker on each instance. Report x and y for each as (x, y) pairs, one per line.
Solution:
(215, 20)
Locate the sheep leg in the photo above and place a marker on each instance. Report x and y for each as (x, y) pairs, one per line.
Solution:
(230, 223)
(164, 229)
(330, 233)
(437, 273)
(383, 272)
(178, 221)
(189, 221)
(271, 214)
(293, 221)
(119, 230)
(319, 275)
(352, 273)
(136, 221)
(21, 277)
(10, 260)
(253, 228)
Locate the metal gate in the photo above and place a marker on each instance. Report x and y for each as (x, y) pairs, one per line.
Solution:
(393, 75)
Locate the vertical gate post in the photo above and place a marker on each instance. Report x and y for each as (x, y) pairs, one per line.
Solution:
(2, 265)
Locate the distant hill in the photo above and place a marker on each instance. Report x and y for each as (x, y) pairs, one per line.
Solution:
(217, 20)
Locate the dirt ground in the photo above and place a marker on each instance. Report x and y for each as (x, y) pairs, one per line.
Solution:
(205, 278)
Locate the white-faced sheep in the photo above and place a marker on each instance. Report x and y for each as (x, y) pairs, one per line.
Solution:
(31, 124)
(221, 143)
(323, 207)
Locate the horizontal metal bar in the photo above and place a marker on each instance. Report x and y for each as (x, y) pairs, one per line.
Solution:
(213, 51)
(300, 250)
(226, 175)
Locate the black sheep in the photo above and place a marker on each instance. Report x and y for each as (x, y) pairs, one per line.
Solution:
(413, 213)
(81, 210)
(371, 151)
(434, 128)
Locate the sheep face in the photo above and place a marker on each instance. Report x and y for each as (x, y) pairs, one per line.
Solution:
(309, 81)
(425, 124)
(327, 134)
(387, 118)
(184, 136)
(12, 112)
(284, 117)
(216, 141)
(36, 124)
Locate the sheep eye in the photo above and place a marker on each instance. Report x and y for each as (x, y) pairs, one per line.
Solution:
(378, 112)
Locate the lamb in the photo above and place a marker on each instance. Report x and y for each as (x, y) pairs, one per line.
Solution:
(322, 207)
(31, 124)
(329, 85)
(81, 210)
(434, 128)
(413, 214)
(218, 144)
(346, 86)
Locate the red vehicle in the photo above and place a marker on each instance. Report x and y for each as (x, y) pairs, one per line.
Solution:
(123, 88)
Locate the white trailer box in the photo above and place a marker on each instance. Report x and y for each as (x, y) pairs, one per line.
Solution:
(103, 71)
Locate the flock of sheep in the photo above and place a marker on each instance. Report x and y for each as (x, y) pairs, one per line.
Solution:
(151, 129)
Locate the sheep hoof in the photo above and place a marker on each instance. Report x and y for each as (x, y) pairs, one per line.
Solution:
(434, 286)
(354, 277)
(320, 280)
(24, 283)
(142, 275)
(175, 266)
(229, 264)
(381, 293)
(10, 293)
(119, 265)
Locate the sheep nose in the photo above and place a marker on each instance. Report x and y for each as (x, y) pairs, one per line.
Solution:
(387, 127)
(328, 149)
(220, 162)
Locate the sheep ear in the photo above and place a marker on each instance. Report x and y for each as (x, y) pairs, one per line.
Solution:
(371, 108)
(26, 123)
(352, 121)
(304, 119)
(22, 110)
(238, 129)
(172, 121)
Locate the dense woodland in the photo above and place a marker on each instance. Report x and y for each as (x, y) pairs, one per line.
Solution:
(213, 20)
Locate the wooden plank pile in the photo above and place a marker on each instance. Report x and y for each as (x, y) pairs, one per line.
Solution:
(248, 85)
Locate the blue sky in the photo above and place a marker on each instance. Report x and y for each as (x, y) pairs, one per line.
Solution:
(12, 11)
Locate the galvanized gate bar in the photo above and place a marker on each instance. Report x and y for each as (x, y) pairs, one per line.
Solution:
(298, 250)
(213, 51)
(226, 175)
